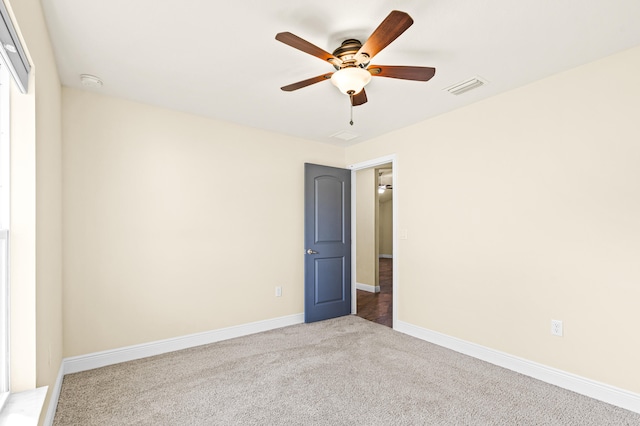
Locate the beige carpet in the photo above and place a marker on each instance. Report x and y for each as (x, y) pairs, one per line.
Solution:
(345, 371)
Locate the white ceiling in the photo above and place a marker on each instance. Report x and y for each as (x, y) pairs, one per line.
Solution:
(221, 60)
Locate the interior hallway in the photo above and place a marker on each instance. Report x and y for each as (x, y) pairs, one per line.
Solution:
(377, 307)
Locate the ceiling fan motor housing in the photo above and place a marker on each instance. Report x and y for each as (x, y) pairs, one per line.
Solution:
(347, 54)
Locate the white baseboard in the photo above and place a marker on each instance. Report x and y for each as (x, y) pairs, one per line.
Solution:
(101, 359)
(385, 256)
(55, 395)
(114, 356)
(596, 390)
(367, 287)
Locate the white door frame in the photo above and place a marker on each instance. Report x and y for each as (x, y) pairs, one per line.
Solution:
(354, 168)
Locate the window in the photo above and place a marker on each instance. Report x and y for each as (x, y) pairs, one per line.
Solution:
(4, 233)
(13, 61)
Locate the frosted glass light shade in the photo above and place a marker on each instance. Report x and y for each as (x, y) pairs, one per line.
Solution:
(351, 79)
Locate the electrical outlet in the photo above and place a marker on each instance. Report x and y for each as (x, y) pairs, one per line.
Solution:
(556, 327)
(278, 291)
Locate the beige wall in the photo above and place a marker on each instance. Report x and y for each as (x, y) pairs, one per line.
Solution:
(366, 261)
(36, 276)
(176, 224)
(523, 208)
(518, 209)
(385, 224)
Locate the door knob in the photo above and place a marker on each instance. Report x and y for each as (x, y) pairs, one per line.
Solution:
(309, 251)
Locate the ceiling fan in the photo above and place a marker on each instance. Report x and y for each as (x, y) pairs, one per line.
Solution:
(352, 59)
(382, 187)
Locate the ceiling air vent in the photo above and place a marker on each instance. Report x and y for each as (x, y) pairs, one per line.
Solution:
(344, 135)
(465, 86)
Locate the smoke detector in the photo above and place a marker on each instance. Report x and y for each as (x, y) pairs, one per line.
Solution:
(90, 81)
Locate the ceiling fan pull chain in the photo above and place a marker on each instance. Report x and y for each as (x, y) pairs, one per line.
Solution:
(351, 103)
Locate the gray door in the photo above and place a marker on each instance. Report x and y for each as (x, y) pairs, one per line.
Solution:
(327, 237)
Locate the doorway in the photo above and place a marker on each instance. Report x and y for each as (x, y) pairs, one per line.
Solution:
(374, 257)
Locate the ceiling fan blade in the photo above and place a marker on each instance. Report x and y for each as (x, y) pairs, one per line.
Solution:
(403, 72)
(303, 45)
(359, 98)
(393, 25)
(307, 82)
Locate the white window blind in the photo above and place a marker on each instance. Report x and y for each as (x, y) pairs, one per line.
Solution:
(12, 52)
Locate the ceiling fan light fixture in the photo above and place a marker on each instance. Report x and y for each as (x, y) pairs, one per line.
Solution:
(351, 81)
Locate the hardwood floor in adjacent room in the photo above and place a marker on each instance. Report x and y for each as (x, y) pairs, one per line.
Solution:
(377, 307)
